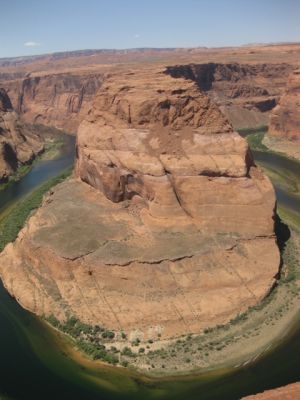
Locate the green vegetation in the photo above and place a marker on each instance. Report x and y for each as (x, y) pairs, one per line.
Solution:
(54, 141)
(17, 175)
(255, 141)
(14, 219)
(90, 339)
(248, 131)
(52, 148)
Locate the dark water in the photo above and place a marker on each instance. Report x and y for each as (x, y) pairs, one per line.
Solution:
(34, 362)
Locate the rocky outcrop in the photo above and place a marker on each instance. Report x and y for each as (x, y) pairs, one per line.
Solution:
(289, 392)
(58, 99)
(245, 92)
(285, 118)
(168, 226)
(19, 143)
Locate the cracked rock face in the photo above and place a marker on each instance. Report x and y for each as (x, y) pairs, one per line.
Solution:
(166, 229)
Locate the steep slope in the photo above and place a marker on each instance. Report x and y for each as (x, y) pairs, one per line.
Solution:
(168, 227)
(19, 143)
(245, 92)
(285, 118)
(55, 99)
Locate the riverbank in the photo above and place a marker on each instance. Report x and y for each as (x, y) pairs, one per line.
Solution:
(14, 218)
(261, 326)
(53, 140)
(249, 336)
(282, 146)
(259, 140)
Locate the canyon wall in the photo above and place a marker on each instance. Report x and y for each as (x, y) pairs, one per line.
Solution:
(285, 117)
(246, 93)
(19, 143)
(168, 226)
(56, 99)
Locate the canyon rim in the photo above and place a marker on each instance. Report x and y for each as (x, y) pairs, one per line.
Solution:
(172, 224)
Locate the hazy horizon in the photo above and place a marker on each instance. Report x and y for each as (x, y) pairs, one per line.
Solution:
(150, 48)
(34, 27)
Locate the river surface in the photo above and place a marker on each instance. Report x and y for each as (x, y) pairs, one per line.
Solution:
(34, 359)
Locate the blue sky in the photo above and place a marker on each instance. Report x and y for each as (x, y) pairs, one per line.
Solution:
(42, 26)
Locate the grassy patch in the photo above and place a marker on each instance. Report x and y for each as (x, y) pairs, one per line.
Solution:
(89, 339)
(255, 141)
(248, 131)
(14, 220)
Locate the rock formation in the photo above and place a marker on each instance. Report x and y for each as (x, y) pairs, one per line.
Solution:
(289, 392)
(19, 144)
(167, 227)
(58, 89)
(57, 99)
(246, 93)
(285, 118)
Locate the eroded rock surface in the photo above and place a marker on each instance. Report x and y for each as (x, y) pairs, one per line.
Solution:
(57, 99)
(167, 227)
(19, 144)
(246, 93)
(285, 118)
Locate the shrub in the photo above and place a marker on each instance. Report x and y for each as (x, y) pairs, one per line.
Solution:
(108, 335)
(127, 352)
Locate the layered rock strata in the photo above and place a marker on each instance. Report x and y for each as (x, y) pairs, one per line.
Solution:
(246, 93)
(58, 99)
(285, 118)
(168, 226)
(19, 144)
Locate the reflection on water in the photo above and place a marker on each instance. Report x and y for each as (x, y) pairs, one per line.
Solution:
(34, 364)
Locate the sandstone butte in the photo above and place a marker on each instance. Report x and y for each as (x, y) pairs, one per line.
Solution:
(285, 117)
(167, 227)
(289, 392)
(19, 144)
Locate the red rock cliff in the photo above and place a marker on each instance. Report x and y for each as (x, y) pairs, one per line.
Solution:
(18, 143)
(168, 227)
(285, 118)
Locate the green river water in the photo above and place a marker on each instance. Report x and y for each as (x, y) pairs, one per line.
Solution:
(34, 361)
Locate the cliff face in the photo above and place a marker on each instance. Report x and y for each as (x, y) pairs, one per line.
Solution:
(245, 92)
(59, 100)
(19, 144)
(168, 228)
(285, 118)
